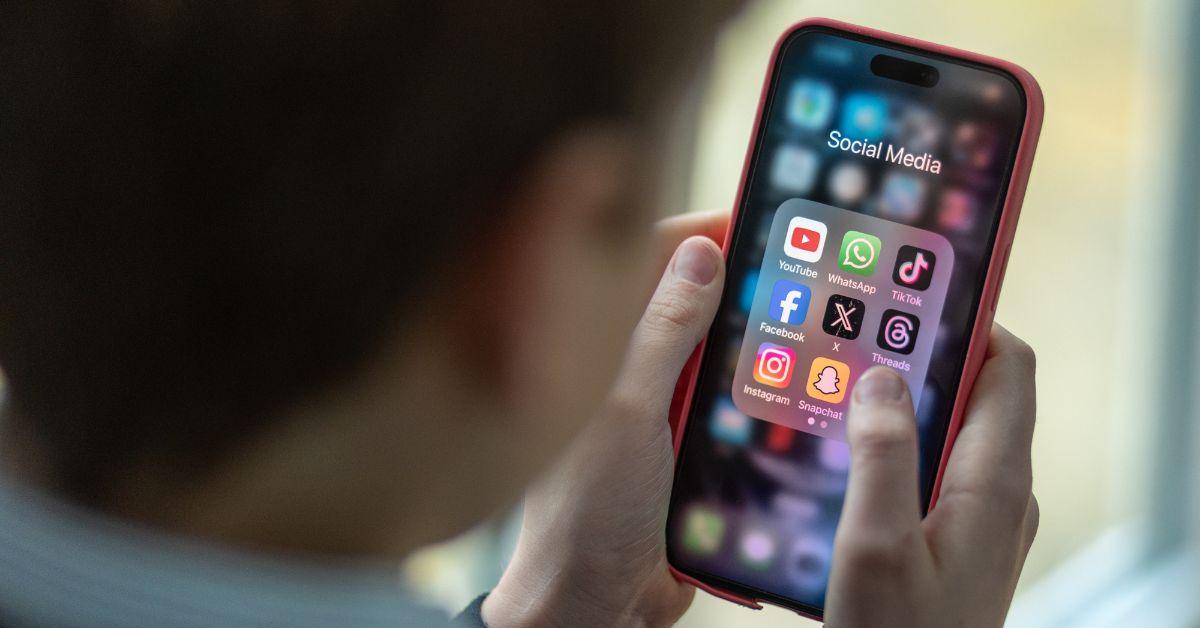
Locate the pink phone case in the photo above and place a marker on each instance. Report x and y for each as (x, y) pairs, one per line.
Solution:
(977, 346)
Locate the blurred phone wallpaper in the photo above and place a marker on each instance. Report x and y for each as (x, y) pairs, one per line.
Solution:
(764, 462)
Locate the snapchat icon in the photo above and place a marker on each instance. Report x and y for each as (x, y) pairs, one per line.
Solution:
(828, 380)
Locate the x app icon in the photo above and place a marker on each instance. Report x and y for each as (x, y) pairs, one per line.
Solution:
(843, 317)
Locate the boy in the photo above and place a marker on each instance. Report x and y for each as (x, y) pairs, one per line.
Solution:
(291, 290)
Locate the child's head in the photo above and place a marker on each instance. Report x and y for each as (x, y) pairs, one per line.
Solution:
(383, 250)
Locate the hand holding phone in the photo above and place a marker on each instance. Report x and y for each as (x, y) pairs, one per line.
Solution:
(592, 551)
(959, 566)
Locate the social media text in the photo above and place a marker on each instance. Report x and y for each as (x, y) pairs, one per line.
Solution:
(886, 151)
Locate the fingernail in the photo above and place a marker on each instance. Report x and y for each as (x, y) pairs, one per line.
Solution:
(696, 261)
(879, 384)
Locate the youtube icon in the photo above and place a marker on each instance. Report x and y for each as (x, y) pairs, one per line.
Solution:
(805, 239)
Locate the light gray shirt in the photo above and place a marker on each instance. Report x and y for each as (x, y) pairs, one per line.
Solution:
(63, 566)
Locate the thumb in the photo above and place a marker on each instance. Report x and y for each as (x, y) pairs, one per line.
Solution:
(675, 321)
(882, 504)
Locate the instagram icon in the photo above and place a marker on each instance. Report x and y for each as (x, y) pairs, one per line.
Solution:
(773, 366)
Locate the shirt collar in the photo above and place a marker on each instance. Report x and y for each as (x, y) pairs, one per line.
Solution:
(62, 565)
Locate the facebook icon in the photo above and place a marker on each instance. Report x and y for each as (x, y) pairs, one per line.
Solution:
(789, 302)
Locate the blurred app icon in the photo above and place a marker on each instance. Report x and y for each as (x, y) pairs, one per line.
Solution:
(991, 92)
(794, 169)
(757, 548)
(828, 380)
(864, 116)
(834, 455)
(918, 130)
(833, 53)
(749, 287)
(789, 302)
(805, 239)
(703, 530)
(728, 425)
(974, 145)
(806, 563)
(956, 211)
(847, 183)
(859, 253)
(901, 197)
(779, 438)
(914, 267)
(810, 104)
(796, 508)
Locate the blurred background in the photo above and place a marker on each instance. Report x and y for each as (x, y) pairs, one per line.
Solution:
(1102, 282)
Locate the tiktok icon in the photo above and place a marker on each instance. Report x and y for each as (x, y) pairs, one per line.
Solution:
(914, 268)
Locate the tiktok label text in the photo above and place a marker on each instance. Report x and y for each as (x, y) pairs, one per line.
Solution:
(906, 297)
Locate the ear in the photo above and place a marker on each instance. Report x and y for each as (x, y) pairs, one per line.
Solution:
(547, 297)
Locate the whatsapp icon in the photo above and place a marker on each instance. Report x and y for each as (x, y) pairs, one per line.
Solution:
(859, 253)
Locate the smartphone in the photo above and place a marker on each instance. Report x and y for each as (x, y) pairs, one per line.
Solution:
(877, 207)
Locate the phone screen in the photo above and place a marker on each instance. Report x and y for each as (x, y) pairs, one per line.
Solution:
(864, 235)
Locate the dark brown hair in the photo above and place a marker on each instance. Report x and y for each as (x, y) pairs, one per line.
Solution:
(208, 209)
